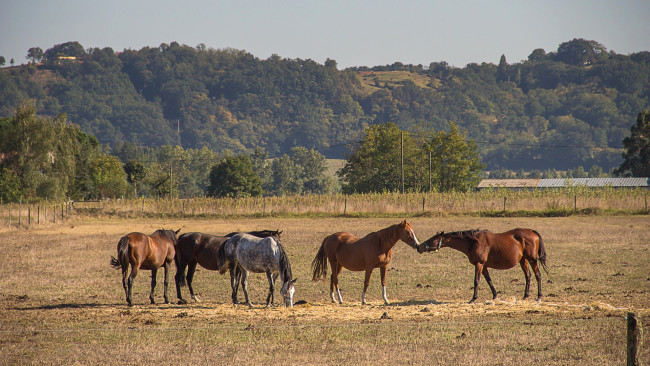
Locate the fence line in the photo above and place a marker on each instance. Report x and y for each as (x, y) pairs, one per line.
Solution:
(20, 216)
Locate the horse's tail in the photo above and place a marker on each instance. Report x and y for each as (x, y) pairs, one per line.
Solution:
(180, 275)
(319, 264)
(542, 253)
(122, 260)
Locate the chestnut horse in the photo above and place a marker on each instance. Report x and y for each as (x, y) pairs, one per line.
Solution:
(199, 248)
(360, 254)
(148, 252)
(486, 249)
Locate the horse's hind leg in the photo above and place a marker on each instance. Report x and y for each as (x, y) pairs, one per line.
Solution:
(486, 274)
(524, 267)
(124, 282)
(153, 285)
(178, 279)
(166, 283)
(538, 277)
(191, 268)
(235, 276)
(129, 284)
(334, 281)
(244, 286)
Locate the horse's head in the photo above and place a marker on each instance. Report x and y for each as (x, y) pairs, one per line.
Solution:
(288, 288)
(407, 235)
(432, 244)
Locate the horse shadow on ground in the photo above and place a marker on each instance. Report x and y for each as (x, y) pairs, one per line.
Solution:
(418, 302)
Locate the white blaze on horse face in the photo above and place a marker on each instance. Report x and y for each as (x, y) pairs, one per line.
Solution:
(417, 242)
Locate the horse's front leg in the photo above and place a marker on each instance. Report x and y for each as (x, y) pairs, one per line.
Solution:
(486, 274)
(168, 267)
(366, 283)
(153, 285)
(269, 297)
(382, 273)
(478, 268)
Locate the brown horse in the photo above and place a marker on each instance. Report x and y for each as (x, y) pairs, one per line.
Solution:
(486, 249)
(360, 254)
(199, 248)
(148, 252)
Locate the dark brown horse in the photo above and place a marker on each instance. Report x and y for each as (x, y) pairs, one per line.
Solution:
(148, 252)
(486, 249)
(199, 248)
(360, 254)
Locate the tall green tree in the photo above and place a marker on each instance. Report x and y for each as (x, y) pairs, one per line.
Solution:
(375, 165)
(637, 145)
(456, 165)
(234, 177)
(35, 54)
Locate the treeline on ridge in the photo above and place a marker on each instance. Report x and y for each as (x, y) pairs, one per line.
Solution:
(555, 110)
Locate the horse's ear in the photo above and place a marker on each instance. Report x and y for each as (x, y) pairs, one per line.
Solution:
(294, 280)
(177, 231)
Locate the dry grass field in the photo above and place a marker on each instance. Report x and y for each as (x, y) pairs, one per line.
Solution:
(62, 303)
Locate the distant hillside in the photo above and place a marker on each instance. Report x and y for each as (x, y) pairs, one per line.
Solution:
(560, 109)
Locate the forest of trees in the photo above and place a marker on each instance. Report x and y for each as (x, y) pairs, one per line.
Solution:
(170, 110)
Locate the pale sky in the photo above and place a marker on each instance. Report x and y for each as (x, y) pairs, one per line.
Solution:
(354, 33)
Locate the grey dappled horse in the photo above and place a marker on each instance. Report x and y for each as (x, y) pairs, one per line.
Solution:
(244, 253)
(199, 248)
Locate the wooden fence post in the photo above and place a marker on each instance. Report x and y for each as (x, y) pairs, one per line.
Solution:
(575, 203)
(38, 215)
(423, 204)
(29, 215)
(504, 204)
(634, 339)
(345, 207)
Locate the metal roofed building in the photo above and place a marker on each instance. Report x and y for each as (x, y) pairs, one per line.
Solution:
(595, 182)
(519, 184)
(515, 184)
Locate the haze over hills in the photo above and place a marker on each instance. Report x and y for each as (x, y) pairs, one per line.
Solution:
(572, 106)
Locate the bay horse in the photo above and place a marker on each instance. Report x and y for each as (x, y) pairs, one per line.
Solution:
(245, 253)
(486, 249)
(344, 250)
(148, 252)
(199, 248)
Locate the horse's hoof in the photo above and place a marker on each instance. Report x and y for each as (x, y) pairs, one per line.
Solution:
(471, 301)
(196, 298)
(182, 302)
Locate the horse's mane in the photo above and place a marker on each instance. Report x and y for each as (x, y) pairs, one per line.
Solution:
(167, 234)
(464, 234)
(285, 266)
(259, 234)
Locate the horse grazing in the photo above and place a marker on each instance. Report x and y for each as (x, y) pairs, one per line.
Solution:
(486, 249)
(244, 253)
(148, 252)
(198, 248)
(360, 254)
